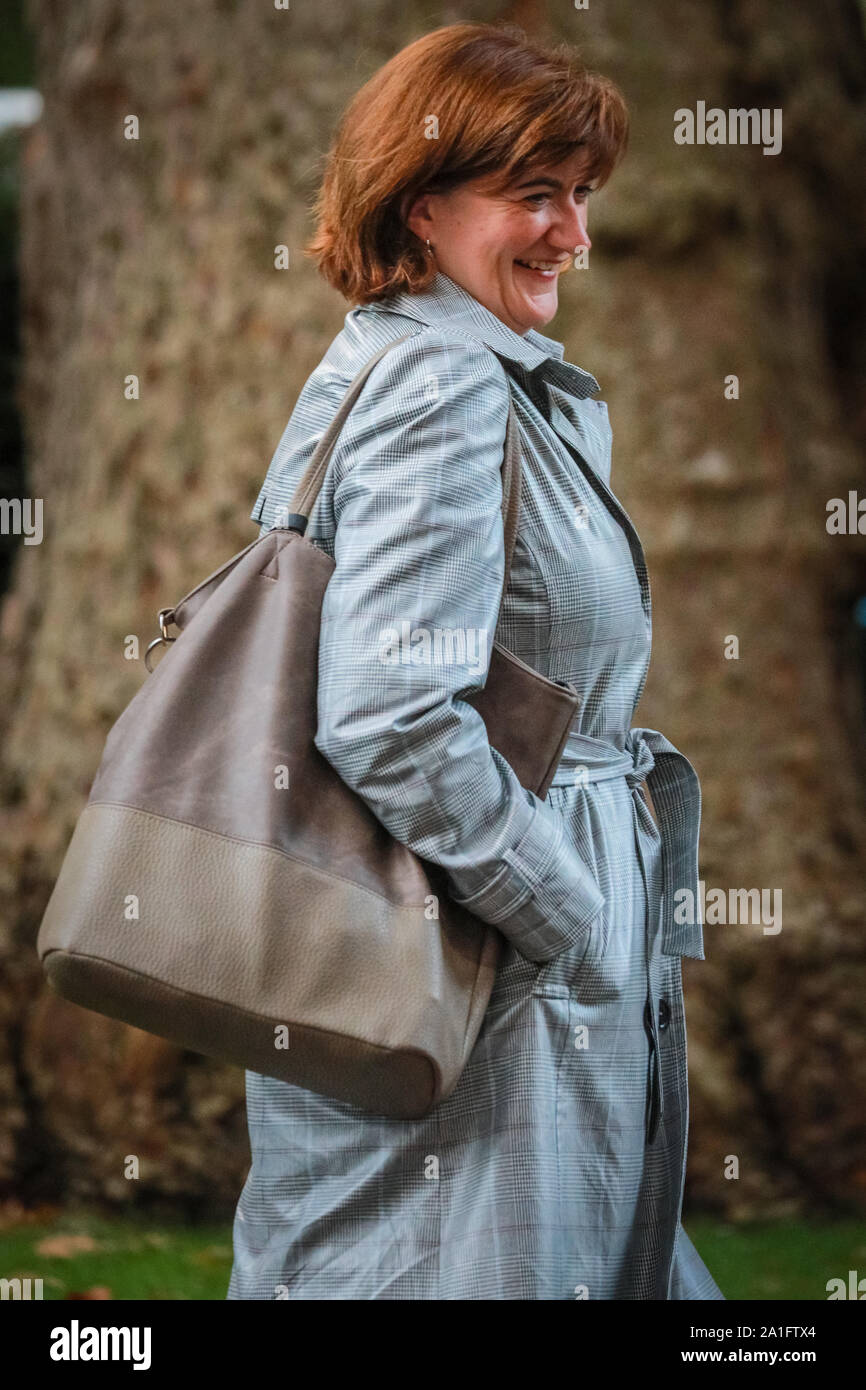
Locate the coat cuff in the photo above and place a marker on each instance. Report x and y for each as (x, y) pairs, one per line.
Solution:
(544, 898)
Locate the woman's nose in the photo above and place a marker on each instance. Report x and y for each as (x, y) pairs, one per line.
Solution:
(570, 230)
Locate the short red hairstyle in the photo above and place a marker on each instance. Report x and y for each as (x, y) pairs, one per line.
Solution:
(502, 103)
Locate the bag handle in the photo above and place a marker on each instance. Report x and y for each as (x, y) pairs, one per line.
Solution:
(311, 480)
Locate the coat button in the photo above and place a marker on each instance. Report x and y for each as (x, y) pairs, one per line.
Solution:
(664, 1014)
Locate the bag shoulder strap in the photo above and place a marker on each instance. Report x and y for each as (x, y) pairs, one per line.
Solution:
(313, 476)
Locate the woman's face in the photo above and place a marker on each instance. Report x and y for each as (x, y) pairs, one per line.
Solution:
(482, 241)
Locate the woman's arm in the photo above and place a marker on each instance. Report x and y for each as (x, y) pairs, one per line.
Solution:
(407, 627)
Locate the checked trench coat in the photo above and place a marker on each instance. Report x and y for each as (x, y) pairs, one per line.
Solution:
(555, 1169)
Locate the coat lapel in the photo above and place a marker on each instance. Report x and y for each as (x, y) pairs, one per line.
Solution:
(570, 437)
(535, 360)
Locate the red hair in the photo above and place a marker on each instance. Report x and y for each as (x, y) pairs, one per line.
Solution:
(501, 103)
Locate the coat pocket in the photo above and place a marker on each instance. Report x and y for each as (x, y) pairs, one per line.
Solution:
(561, 977)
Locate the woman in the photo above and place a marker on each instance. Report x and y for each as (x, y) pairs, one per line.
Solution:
(455, 194)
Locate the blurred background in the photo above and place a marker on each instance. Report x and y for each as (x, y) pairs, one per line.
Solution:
(155, 256)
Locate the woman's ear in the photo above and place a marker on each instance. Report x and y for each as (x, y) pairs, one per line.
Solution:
(415, 212)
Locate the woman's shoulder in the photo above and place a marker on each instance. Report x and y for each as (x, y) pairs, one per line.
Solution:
(433, 365)
(412, 347)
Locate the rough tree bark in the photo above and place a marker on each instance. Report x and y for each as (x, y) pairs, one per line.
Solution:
(155, 257)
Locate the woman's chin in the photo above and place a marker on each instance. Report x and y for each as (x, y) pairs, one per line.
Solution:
(539, 307)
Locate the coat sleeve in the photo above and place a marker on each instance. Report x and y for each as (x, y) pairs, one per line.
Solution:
(408, 622)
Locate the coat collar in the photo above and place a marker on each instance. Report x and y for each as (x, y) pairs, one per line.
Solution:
(447, 302)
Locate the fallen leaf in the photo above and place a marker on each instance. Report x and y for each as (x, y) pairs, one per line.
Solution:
(62, 1247)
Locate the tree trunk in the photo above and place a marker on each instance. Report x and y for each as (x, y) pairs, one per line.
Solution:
(155, 257)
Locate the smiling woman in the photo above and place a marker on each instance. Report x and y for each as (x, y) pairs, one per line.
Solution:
(510, 247)
(518, 132)
(454, 197)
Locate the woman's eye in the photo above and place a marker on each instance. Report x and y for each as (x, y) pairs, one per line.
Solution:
(538, 199)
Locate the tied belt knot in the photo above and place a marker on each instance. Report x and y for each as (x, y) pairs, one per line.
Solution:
(642, 760)
(644, 755)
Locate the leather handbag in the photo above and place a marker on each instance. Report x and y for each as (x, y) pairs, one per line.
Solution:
(225, 889)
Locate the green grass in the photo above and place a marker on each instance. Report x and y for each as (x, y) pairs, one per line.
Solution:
(136, 1257)
(792, 1259)
(131, 1257)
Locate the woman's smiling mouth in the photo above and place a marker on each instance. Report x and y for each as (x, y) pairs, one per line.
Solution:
(548, 270)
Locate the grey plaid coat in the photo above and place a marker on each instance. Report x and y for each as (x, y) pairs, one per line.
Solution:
(555, 1169)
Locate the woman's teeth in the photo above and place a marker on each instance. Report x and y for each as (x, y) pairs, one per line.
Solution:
(546, 268)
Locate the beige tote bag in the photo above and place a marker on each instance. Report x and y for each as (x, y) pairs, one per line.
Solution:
(280, 929)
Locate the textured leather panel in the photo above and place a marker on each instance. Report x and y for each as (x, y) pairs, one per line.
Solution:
(527, 718)
(403, 1086)
(277, 967)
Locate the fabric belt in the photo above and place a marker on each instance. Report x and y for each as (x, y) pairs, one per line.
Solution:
(647, 759)
(676, 799)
